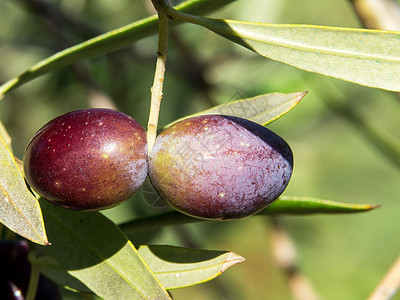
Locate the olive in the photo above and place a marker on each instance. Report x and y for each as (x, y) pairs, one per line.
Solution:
(88, 159)
(219, 167)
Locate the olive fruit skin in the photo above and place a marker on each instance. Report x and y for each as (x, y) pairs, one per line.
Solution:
(219, 167)
(88, 159)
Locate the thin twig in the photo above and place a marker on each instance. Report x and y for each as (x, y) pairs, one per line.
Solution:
(378, 14)
(157, 88)
(389, 285)
(285, 255)
(33, 282)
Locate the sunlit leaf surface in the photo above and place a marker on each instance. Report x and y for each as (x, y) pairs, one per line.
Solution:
(178, 267)
(92, 249)
(261, 109)
(366, 57)
(19, 209)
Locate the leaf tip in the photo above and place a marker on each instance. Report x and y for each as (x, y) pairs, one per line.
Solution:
(42, 240)
(302, 95)
(365, 207)
(372, 206)
(231, 260)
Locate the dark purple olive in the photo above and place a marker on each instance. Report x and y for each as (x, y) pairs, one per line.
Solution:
(15, 271)
(88, 159)
(219, 167)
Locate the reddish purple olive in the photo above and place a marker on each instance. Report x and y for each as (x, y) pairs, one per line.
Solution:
(89, 159)
(219, 167)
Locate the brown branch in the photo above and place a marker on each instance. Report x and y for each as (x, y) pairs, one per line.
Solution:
(285, 255)
(389, 285)
(157, 88)
(378, 14)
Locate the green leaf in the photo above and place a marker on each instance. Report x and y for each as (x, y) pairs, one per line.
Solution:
(93, 249)
(307, 205)
(175, 267)
(362, 56)
(282, 205)
(19, 209)
(107, 42)
(260, 109)
(178, 267)
(49, 267)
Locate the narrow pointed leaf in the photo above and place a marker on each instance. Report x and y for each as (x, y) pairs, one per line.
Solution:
(307, 205)
(19, 209)
(92, 249)
(362, 56)
(49, 267)
(179, 267)
(282, 205)
(107, 42)
(260, 109)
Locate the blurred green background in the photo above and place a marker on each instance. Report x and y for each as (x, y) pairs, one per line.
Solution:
(344, 256)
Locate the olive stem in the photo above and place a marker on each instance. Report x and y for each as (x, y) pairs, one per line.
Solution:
(33, 282)
(172, 13)
(378, 14)
(157, 88)
(389, 285)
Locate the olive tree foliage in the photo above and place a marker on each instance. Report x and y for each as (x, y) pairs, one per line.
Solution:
(109, 256)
